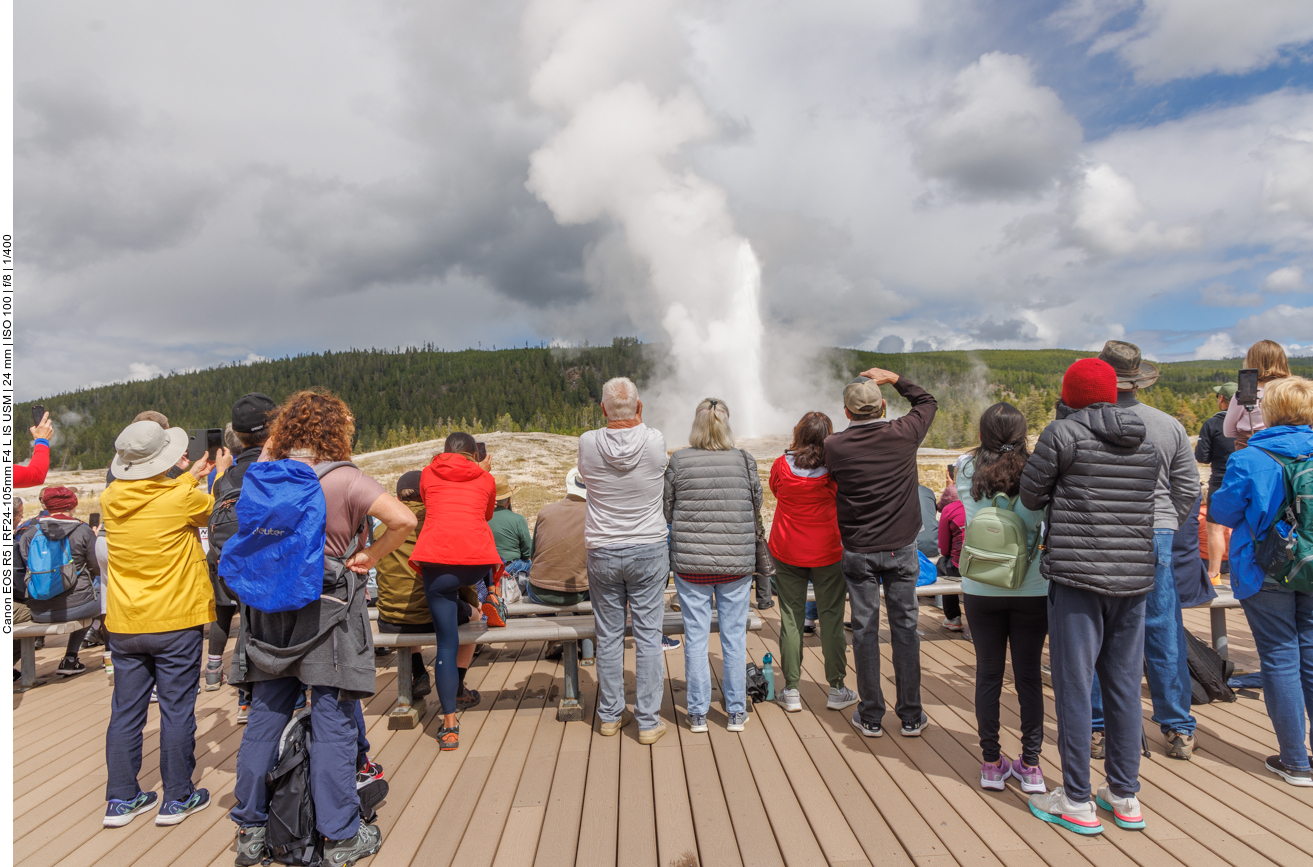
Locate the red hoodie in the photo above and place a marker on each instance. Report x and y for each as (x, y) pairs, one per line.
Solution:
(459, 497)
(805, 532)
(952, 524)
(35, 472)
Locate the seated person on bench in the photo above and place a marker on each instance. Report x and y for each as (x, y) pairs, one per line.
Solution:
(510, 532)
(559, 574)
(404, 609)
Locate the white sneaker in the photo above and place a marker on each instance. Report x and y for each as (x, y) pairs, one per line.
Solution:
(841, 697)
(1057, 808)
(790, 700)
(1125, 811)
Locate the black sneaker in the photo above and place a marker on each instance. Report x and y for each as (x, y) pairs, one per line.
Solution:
(250, 845)
(341, 853)
(421, 686)
(1294, 778)
(870, 730)
(763, 604)
(69, 666)
(913, 730)
(173, 812)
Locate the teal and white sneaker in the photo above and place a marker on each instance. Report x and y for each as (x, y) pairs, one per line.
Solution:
(1125, 811)
(119, 813)
(174, 812)
(343, 853)
(1057, 808)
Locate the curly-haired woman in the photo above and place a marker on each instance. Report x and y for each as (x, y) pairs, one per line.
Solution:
(336, 661)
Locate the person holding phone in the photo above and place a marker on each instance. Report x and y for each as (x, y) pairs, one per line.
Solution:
(34, 473)
(1242, 422)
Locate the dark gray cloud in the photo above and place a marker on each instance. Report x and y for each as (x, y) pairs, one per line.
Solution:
(891, 343)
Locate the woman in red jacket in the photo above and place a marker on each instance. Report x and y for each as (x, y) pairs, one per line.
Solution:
(804, 543)
(35, 472)
(455, 549)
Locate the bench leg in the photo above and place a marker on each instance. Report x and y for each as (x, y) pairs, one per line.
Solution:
(1218, 616)
(27, 650)
(570, 710)
(409, 710)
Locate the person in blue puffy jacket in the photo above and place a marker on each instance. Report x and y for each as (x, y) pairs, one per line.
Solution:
(1252, 496)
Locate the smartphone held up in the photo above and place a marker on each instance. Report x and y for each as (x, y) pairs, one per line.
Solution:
(199, 442)
(1247, 393)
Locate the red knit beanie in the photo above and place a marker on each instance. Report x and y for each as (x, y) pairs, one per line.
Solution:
(1088, 381)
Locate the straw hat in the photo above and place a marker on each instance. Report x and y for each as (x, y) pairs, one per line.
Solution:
(504, 488)
(145, 449)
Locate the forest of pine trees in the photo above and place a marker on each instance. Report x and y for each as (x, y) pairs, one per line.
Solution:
(416, 394)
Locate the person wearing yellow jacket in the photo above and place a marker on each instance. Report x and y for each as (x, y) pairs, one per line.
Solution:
(159, 601)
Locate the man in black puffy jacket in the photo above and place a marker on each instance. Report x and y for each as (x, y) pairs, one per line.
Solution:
(1095, 471)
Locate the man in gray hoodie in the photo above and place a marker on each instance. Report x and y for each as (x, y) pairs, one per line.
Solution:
(623, 467)
(1174, 497)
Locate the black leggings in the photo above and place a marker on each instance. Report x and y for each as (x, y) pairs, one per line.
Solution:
(221, 628)
(442, 585)
(946, 569)
(1024, 621)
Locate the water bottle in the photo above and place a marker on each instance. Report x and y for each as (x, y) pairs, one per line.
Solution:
(769, 672)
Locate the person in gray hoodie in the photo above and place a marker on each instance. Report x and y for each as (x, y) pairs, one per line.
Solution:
(1174, 497)
(623, 467)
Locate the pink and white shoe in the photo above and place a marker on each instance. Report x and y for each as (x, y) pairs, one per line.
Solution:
(995, 776)
(1031, 779)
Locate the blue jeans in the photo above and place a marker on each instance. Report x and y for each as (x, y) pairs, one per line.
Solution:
(170, 662)
(1282, 623)
(732, 611)
(633, 577)
(1165, 660)
(332, 757)
(515, 567)
(809, 612)
(586, 646)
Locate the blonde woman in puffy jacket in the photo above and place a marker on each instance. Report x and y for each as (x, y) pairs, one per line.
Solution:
(712, 499)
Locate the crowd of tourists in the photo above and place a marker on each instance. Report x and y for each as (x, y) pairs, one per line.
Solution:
(1067, 539)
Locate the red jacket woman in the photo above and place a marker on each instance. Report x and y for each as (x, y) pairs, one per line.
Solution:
(459, 497)
(805, 531)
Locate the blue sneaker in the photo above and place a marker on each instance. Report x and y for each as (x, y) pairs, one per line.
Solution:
(119, 813)
(668, 643)
(174, 812)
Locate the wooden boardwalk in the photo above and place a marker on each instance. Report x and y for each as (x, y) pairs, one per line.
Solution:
(793, 789)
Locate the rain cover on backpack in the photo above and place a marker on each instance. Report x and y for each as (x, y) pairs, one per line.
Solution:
(275, 560)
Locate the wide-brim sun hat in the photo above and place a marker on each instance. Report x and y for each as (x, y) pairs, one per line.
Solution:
(145, 449)
(574, 484)
(1132, 370)
(505, 489)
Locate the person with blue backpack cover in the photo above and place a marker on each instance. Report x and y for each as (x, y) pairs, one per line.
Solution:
(1264, 487)
(297, 564)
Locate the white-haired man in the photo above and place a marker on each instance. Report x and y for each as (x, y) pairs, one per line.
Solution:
(623, 466)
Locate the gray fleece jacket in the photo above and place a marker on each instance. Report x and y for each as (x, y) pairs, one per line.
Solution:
(1178, 474)
(624, 471)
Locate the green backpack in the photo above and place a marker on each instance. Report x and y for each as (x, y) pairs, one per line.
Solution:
(1285, 553)
(994, 549)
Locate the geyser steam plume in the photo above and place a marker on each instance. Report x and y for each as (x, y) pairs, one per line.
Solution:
(616, 157)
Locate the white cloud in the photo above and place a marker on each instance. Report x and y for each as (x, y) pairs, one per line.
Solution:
(1219, 345)
(1283, 323)
(141, 370)
(1187, 38)
(1288, 279)
(1288, 186)
(1222, 295)
(994, 132)
(1106, 217)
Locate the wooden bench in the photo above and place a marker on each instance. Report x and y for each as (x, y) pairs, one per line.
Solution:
(567, 630)
(26, 634)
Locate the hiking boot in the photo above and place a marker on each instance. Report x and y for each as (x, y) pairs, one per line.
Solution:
(1294, 778)
(1125, 811)
(173, 812)
(697, 722)
(763, 604)
(953, 624)
(1180, 745)
(467, 698)
(611, 729)
(69, 666)
(422, 686)
(214, 678)
(1096, 746)
(790, 700)
(737, 722)
(341, 853)
(651, 736)
(913, 730)
(119, 813)
(1057, 808)
(994, 775)
(870, 730)
(368, 772)
(250, 845)
(840, 698)
(1031, 777)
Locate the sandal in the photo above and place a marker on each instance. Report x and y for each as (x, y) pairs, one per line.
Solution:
(449, 737)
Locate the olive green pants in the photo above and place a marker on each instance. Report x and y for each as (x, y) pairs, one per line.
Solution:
(831, 594)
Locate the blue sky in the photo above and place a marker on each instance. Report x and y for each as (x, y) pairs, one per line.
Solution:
(940, 173)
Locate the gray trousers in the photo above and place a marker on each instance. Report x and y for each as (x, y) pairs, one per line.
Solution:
(1090, 632)
(898, 570)
(635, 577)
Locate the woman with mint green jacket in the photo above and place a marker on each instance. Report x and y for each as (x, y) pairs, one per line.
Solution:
(1000, 616)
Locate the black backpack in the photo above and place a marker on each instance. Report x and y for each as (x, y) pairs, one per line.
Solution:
(1208, 672)
(290, 835)
(223, 517)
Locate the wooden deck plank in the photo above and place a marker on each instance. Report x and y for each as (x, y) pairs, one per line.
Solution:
(636, 835)
(561, 826)
(677, 842)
